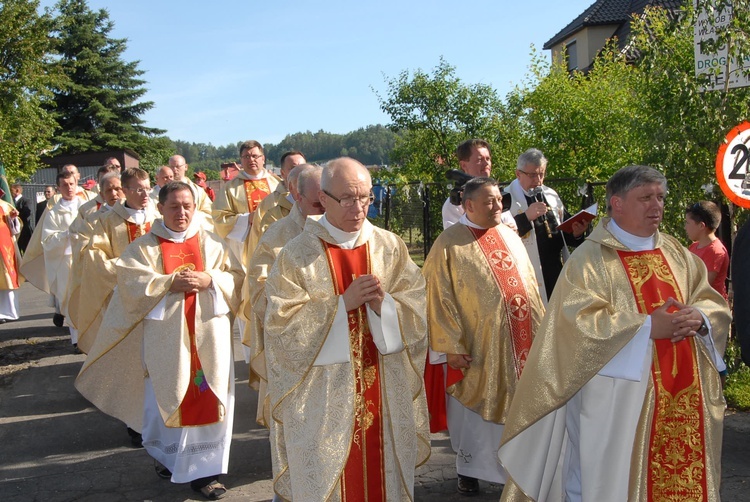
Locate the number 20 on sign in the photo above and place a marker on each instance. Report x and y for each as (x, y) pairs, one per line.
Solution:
(733, 163)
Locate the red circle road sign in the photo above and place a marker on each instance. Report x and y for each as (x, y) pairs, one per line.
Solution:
(733, 165)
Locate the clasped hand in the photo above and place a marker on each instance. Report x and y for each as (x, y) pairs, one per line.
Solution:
(677, 325)
(364, 289)
(189, 281)
(458, 361)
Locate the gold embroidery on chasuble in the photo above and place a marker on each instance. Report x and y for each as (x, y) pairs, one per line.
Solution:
(676, 453)
(363, 477)
(199, 406)
(515, 297)
(256, 191)
(8, 250)
(135, 231)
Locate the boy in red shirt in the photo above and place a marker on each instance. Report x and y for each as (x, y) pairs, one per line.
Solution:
(701, 221)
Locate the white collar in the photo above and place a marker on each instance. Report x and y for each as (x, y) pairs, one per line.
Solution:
(344, 239)
(633, 242)
(69, 204)
(464, 220)
(261, 175)
(176, 236)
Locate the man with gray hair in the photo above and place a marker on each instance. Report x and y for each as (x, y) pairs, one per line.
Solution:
(538, 211)
(163, 176)
(623, 375)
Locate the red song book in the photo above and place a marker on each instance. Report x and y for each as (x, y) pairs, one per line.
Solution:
(584, 216)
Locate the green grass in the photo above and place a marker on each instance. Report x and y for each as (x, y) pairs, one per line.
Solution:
(737, 387)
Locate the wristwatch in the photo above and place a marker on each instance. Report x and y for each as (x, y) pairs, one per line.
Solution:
(703, 329)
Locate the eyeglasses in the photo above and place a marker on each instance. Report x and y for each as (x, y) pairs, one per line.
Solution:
(533, 175)
(139, 191)
(252, 157)
(350, 201)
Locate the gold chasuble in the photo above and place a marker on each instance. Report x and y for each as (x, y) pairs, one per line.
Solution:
(200, 405)
(642, 433)
(353, 427)
(676, 453)
(362, 478)
(9, 251)
(482, 300)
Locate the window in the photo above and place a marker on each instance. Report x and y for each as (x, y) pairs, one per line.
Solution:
(572, 53)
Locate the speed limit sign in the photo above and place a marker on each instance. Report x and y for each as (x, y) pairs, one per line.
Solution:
(732, 164)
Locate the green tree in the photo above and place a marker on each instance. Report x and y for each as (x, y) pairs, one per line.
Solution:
(100, 108)
(27, 72)
(433, 113)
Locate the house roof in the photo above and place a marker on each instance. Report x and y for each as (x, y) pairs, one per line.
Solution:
(610, 12)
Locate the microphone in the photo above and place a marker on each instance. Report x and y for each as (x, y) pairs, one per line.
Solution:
(537, 193)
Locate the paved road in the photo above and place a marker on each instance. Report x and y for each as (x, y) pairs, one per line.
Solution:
(55, 447)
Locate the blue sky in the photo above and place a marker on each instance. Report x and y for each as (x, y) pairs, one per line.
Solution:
(226, 71)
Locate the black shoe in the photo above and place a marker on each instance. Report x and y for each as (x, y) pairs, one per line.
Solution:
(3, 321)
(162, 471)
(58, 320)
(467, 485)
(76, 350)
(137, 440)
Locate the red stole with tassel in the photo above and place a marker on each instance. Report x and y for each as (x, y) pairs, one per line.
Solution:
(199, 406)
(676, 455)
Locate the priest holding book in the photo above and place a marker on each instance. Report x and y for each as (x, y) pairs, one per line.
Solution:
(538, 211)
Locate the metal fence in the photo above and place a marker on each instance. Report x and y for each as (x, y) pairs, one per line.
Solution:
(414, 210)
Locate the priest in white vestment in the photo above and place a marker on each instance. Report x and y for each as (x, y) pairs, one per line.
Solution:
(621, 399)
(171, 314)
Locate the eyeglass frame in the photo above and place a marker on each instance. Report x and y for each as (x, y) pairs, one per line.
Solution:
(533, 175)
(251, 157)
(139, 190)
(370, 199)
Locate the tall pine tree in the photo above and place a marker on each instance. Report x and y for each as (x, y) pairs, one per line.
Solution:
(100, 108)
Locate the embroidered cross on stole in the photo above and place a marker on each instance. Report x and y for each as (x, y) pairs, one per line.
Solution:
(256, 191)
(199, 406)
(135, 231)
(676, 455)
(515, 297)
(363, 477)
(8, 251)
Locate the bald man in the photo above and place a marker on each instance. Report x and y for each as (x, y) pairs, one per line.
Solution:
(346, 342)
(163, 176)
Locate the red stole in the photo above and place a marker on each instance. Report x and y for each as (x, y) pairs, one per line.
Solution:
(256, 191)
(200, 406)
(135, 231)
(676, 455)
(8, 250)
(364, 473)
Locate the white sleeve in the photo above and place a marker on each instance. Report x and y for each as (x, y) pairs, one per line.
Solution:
(157, 313)
(509, 220)
(628, 363)
(451, 214)
(708, 341)
(220, 305)
(15, 226)
(385, 330)
(335, 349)
(436, 357)
(241, 227)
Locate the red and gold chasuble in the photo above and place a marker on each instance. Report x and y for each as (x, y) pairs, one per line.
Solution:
(517, 312)
(363, 477)
(135, 230)
(676, 454)
(256, 191)
(200, 406)
(8, 250)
